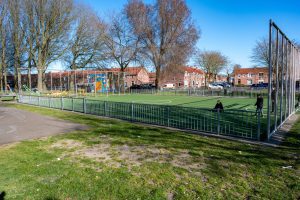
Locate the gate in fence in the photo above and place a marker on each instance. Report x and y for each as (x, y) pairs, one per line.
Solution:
(284, 75)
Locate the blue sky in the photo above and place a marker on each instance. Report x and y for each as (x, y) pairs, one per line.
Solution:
(230, 26)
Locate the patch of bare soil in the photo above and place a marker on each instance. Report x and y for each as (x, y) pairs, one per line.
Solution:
(67, 144)
(118, 155)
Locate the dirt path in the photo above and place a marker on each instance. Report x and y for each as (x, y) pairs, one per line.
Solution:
(17, 125)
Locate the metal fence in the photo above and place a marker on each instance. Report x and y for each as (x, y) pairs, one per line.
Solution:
(237, 123)
(284, 75)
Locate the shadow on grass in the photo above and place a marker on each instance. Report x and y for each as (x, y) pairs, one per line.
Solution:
(181, 104)
(2, 195)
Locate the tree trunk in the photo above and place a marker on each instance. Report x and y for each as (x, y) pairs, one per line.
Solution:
(29, 77)
(15, 78)
(1, 79)
(121, 83)
(5, 80)
(157, 80)
(3, 64)
(19, 80)
(40, 80)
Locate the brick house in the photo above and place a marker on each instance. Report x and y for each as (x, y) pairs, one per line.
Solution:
(249, 76)
(221, 78)
(186, 77)
(136, 76)
(152, 77)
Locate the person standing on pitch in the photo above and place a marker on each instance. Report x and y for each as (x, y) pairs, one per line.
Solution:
(273, 97)
(259, 105)
(219, 106)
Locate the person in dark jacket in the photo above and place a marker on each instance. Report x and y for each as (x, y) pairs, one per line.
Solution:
(259, 105)
(219, 106)
(273, 97)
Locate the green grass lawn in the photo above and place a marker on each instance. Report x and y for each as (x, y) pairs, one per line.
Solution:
(120, 160)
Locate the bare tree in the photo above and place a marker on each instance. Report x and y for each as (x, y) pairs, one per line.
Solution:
(51, 21)
(3, 42)
(211, 62)
(228, 70)
(29, 31)
(167, 32)
(260, 52)
(15, 12)
(237, 66)
(122, 44)
(86, 47)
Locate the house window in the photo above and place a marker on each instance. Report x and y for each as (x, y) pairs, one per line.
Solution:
(249, 82)
(239, 75)
(132, 82)
(193, 83)
(239, 81)
(260, 75)
(125, 84)
(179, 84)
(249, 75)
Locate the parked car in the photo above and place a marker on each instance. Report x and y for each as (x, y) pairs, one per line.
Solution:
(142, 86)
(169, 86)
(224, 84)
(135, 87)
(147, 86)
(215, 86)
(259, 86)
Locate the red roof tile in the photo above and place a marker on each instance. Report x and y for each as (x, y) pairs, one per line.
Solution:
(193, 69)
(254, 70)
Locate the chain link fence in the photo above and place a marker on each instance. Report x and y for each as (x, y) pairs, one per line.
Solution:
(236, 123)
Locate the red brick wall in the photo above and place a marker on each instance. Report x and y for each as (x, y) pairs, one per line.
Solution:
(244, 79)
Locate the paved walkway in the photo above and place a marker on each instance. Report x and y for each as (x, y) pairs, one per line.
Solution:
(17, 125)
(279, 137)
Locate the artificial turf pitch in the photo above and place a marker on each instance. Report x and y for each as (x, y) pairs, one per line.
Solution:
(236, 103)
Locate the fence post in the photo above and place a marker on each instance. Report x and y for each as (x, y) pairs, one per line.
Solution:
(62, 103)
(105, 109)
(258, 126)
(168, 115)
(72, 104)
(39, 104)
(218, 128)
(49, 102)
(132, 112)
(84, 105)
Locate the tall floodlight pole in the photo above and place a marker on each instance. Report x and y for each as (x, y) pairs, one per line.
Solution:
(270, 80)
